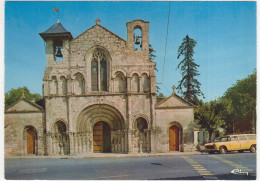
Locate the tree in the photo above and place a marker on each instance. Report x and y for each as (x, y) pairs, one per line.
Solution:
(210, 115)
(14, 95)
(189, 71)
(152, 56)
(243, 100)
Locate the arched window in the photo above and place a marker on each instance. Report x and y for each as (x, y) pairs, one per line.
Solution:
(63, 85)
(135, 83)
(54, 86)
(145, 83)
(120, 82)
(98, 72)
(79, 84)
(141, 124)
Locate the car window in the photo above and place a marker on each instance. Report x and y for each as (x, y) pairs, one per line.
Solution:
(234, 138)
(251, 137)
(228, 139)
(242, 138)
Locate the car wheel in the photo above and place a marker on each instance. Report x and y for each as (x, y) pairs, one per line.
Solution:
(211, 152)
(240, 151)
(253, 149)
(222, 150)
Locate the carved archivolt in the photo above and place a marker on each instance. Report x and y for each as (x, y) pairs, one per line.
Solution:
(99, 112)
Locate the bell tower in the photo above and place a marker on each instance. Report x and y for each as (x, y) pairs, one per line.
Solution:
(138, 36)
(57, 40)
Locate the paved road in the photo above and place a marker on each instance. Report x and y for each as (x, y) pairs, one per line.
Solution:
(186, 167)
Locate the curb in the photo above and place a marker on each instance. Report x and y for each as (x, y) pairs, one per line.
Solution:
(97, 155)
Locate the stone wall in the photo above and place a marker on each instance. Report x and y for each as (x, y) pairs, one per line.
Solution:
(15, 132)
(165, 118)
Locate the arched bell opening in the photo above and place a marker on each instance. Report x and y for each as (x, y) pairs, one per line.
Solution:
(138, 38)
(101, 137)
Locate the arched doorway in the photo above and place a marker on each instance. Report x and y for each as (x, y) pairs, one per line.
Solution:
(61, 138)
(174, 138)
(31, 135)
(101, 137)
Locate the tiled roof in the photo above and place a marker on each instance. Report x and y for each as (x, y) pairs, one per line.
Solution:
(56, 28)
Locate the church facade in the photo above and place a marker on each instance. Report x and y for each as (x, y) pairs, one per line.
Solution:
(99, 96)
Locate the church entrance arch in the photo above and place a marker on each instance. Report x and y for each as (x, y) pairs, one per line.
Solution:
(101, 137)
(102, 129)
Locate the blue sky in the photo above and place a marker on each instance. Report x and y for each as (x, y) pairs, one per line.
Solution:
(225, 33)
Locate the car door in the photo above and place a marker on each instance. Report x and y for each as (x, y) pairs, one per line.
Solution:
(244, 143)
(234, 143)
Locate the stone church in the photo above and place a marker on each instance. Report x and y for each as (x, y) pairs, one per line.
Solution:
(99, 96)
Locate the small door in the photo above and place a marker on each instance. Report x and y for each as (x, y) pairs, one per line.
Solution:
(101, 137)
(30, 141)
(174, 138)
(98, 138)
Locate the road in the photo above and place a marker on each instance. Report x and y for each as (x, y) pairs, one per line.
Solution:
(187, 167)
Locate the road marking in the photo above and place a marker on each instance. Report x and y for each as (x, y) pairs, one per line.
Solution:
(200, 169)
(116, 176)
(233, 164)
(35, 170)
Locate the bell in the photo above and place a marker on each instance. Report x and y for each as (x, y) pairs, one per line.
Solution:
(58, 54)
(137, 40)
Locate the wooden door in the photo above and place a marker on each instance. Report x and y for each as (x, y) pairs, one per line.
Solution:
(106, 138)
(30, 141)
(174, 138)
(98, 138)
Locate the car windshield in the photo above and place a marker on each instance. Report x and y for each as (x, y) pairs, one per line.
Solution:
(220, 139)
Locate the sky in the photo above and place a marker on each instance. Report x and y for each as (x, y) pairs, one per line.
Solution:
(225, 33)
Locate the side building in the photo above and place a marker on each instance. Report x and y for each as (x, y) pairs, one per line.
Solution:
(99, 95)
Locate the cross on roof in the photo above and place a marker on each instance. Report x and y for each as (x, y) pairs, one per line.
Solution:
(173, 89)
(97, 21)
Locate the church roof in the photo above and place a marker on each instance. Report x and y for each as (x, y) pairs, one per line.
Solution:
(98, 25)
(173, 102)
(25, 106)
(56, 30)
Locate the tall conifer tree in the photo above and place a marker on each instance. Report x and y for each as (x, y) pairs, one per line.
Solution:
(189, 86)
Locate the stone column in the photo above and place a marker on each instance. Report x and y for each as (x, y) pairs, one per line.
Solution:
(129, 143)
(71, 143)
(126, 140)
(59, 86)
(195, 137)
(75, 143)
(153, 141)
(122, 136)
(49, 144)
(84, 143)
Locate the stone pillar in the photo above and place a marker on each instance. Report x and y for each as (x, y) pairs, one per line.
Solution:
(195, 137)
(71, 143)
(84, 143)
(49, 144)
(122, 136)
(153, 141)
(128, 83)
(59, 86)
(75, 143)
(126, 140)
(80, 143)
(129, 143)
